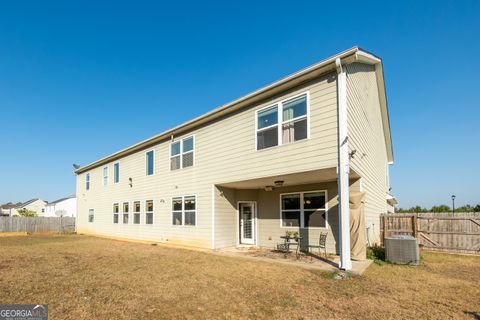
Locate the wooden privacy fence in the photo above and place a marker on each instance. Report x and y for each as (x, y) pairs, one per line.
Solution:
(445, 232)
(37, 224)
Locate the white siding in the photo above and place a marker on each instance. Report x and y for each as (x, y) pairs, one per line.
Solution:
(224, 152)
(366, 135)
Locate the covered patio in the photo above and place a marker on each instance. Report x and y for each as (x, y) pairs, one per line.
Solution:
(259, 212)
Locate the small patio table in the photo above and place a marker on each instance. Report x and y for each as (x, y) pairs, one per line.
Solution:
(285, 246)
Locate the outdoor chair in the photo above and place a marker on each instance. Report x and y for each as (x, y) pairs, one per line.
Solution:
(322, 241)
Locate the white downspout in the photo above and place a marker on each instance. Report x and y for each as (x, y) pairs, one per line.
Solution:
(213, 218)
(343, 170)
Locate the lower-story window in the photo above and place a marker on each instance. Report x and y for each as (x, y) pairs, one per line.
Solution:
(91, 215)
(136, 212)
(115, 212)
(149, 212)
(184, 211)
(126, 209)
(304, 209)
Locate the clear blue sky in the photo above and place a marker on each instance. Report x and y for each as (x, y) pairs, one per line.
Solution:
(80, 80)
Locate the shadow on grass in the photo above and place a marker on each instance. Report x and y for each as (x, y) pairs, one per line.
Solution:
(473, 314)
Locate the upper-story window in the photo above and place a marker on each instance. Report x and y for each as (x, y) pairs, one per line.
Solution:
(150, 162)
(116, 172)
(182, 153)
(105, 176)
(87, 181)
(283, 123)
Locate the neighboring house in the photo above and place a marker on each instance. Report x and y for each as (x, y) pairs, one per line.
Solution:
(9, 209)
(36, 205)
(65, 207)
(392, 202)
(247, 171)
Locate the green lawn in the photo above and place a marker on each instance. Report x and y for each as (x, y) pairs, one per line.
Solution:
(83, 277)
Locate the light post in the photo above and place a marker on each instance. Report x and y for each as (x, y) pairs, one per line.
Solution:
(453, 204)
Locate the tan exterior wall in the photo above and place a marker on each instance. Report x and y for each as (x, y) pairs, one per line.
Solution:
(224, 152)
(366, 136)
(36, 206)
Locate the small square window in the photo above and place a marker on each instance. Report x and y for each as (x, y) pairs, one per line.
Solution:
(188, 144)
(291, 218)
(175, 148)
(177, 218)
(291, 202)
(267, 117)
(315, 219)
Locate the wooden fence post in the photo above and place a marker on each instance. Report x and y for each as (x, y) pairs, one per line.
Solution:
(385, 228)
(415, 226)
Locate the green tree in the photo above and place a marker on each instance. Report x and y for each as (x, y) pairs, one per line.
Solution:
(441, 209)
(27, 213)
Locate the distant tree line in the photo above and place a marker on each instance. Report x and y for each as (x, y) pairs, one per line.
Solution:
(439, 209)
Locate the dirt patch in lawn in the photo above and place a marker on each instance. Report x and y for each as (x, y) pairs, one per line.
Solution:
(83, 277)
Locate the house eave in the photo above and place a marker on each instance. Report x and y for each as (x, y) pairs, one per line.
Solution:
(293, 80)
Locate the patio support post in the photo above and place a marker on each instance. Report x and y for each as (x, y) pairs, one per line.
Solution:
(343, 169)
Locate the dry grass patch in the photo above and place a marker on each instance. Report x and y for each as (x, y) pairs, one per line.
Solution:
(83, 277)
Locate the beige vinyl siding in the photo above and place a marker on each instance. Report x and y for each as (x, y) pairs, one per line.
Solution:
(366, 135)
(226, 224)
(224, 152)
(36, 206)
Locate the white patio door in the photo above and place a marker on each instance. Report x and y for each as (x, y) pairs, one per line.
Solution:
(247, 222)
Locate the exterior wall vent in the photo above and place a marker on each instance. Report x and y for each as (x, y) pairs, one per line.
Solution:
(402, 250)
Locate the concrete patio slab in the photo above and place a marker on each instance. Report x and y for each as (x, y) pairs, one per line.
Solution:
(315, 263)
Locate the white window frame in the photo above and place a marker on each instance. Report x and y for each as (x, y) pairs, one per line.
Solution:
(114, 175)
(152, 212)
(180, 140)
(87, 181)
(129, 212)
(93, 215)
(302, 210)
(105, 176)
(146, 163)
(280, 122)
(118, 213)
(183, 211)
(135, 212)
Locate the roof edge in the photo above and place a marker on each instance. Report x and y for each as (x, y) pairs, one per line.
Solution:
(355, 53)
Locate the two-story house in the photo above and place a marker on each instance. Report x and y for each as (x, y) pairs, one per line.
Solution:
(285, 157)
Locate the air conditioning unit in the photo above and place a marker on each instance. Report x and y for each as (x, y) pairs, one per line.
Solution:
(402, 250)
